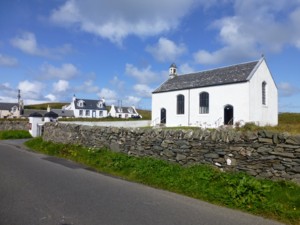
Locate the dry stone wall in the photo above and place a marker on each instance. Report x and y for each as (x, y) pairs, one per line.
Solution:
(14, 125)
(261, 154)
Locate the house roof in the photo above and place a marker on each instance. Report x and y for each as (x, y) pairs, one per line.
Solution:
(7, 106)
(220, 76)
(127, 110)
(60, 112)
(89, 104)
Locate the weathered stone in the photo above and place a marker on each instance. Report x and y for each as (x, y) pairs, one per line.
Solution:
(168, 153)
(294, 140)
(263, 150)
(275, 139)
(296, 169)
(278, 167)
(115, 147)
(283, 154)
(211, 155)
(180, 157)
(230, 161)
(265, 140)
(233, 148)
(288, 146)
(157, 148)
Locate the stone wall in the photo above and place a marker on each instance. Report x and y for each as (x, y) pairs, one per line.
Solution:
(260, 154)
(14, 125)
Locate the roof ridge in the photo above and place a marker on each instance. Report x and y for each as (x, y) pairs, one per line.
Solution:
(222, 67)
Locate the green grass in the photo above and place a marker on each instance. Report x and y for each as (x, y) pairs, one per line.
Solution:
(287, 122)
(14, 134)
(275, 200)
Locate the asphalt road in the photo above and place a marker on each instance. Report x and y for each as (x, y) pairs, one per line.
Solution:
(39, 190)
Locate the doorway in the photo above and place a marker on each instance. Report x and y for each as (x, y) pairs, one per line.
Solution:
(163, 116)
(228, 115)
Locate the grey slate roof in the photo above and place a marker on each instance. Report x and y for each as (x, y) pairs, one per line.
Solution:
(125, 110)
(89, 104)
(7, 106)
(226, 75)
(60, 112)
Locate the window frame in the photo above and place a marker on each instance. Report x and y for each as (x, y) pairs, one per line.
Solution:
(264, 93)
(180, 104)
(204, 102)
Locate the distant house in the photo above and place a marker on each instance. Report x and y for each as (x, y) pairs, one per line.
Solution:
(12, 110)
(124, 112)
(87, 108)
(229, 95)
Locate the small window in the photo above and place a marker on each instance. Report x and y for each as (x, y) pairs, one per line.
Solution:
(264, 93)
(100, 104)
(180, 104)
(80, 112)
(101, 113)
(87, 112)
(80, 103)
(120, 110)
(204, 103)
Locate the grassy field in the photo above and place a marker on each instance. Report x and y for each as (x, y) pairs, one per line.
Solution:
(275, 200)
(287, 122)
(14, 134)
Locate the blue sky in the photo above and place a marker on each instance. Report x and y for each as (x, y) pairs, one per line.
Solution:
(122, 50)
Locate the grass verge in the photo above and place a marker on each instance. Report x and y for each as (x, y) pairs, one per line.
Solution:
(14, 134)
(275, 200)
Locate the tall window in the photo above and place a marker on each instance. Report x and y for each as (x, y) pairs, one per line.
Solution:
(180, 104)
(264, 93)
(87, 112)
(204, 103)
(80, 112)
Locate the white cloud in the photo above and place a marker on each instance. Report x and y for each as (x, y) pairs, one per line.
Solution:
(255, 28)
(143, 90)
(131, 101)
(287, 89)
(8, 61)
(61, 86)
(186, 68)
(166, 50)
(144, 76)
(110, 96)
(27, 43)
(31, 89)
(88, 87)
(115, 20)
(51, 97)
(117, 82)
(66, 71)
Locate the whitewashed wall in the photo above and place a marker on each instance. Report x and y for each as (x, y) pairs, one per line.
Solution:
(259, 113)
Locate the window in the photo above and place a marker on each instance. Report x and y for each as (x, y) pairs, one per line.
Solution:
(87, 112)
(204, 103)
(80, 112)
(80, 103)
(100, 113)
(130, 110)
(180, 104)
(264, 93)
(100, 104)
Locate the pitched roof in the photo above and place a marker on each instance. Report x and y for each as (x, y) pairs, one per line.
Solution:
(7, 106)
(60, 112)
(127, 110)
(226, 75)
(89, 104)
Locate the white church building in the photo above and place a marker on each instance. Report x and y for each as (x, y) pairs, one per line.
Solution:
(229, 95)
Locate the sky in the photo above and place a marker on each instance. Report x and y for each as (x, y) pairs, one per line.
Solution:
(121, 50)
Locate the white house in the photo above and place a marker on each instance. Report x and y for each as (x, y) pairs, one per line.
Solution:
(12, 110)
(123, 112)
(87, 108)
(224, 96)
